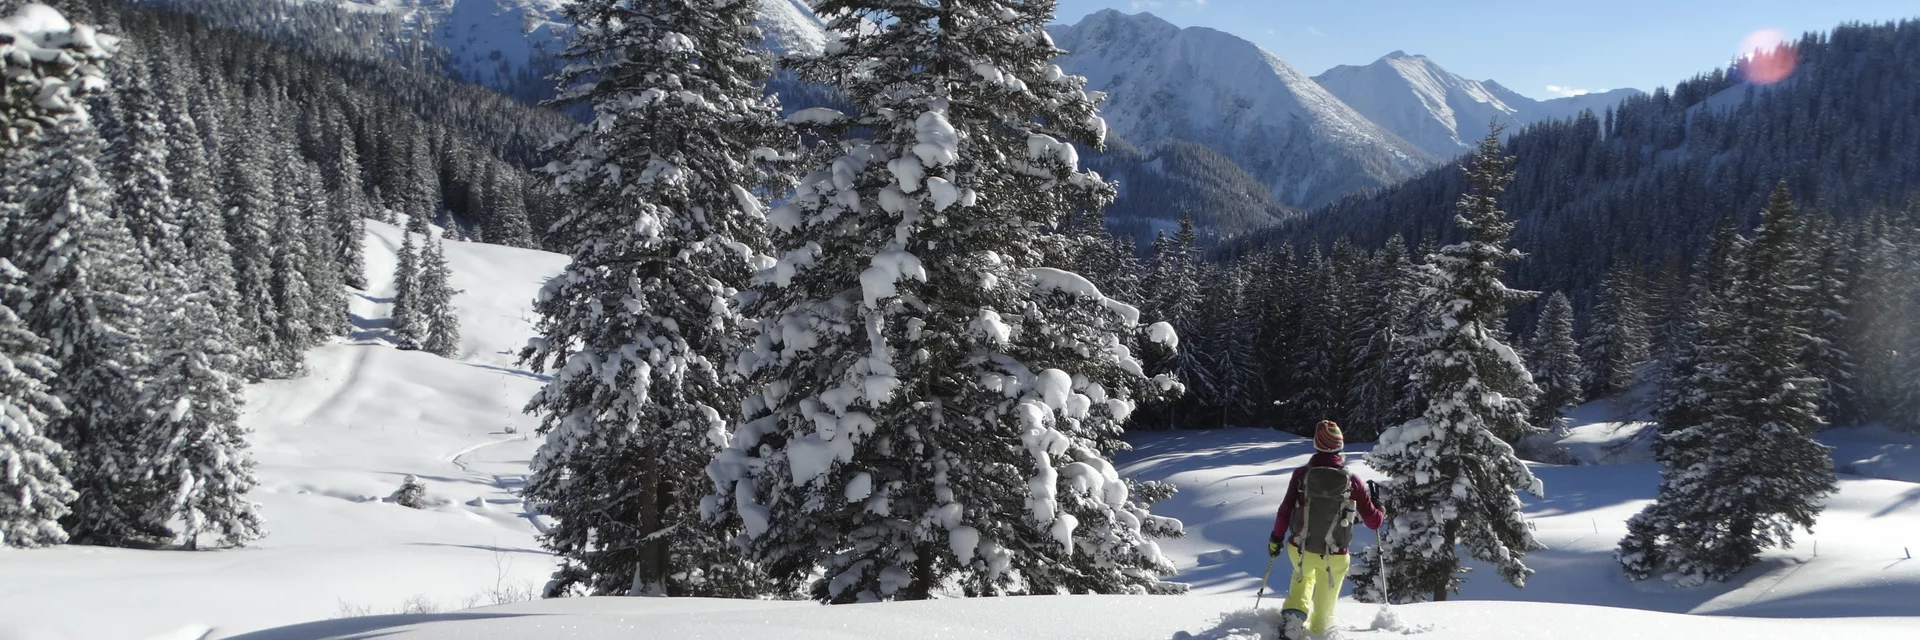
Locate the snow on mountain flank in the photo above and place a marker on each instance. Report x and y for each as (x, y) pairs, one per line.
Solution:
(1440, 111)
(1208, 87)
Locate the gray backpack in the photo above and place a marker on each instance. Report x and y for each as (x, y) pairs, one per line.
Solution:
(1324, 522)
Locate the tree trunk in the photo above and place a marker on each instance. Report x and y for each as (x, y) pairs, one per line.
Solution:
(1440, 594)
(650, 571)
(921, 587)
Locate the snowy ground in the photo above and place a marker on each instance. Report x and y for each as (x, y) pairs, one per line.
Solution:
(1060, 618)
(333, 444)
(1855, 564)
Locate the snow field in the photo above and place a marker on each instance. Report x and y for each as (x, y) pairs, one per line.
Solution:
(331, 446)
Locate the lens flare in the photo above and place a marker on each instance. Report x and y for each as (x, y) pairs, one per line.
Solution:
(1765, 57)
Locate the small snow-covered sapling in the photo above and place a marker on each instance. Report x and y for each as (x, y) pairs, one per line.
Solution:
(412, 494)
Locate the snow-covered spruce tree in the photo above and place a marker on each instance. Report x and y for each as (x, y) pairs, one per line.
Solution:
(291, 292)
(250, 219)
(667, 226)
(1320, 374)
(51, 66)
(319, 256)
(935, 408)
(1682, 401)
(1616, 341)
(193, 451)
(34, 491)
(436, 302)
(408, 322)
(1224, 346)
(189, 460)
(83, 292)
(1453, 479)
(1378, 397)
(202, 233)
(1756, 472)
(1875, 333)
(505, 201)
(1172, 290)
(347, 218)
(1555, 362)
(1830, 265)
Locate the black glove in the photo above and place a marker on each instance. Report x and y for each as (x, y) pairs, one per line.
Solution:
(1273, 546)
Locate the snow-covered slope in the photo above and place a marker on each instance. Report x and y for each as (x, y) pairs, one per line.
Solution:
(1440, 111)
(1225, 93)
(1065, 618)
(330, 447)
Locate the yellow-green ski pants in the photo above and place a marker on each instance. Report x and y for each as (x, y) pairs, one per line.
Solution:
(1318, 577)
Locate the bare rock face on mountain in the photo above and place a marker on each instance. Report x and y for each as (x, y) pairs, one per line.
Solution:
(1440, 111)
(1164, 83)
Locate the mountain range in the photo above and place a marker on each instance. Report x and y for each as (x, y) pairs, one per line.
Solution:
(1440, 111)
(1308, 140)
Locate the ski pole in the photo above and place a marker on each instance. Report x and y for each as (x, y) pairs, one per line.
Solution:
(1263, 581)
(1380, 546)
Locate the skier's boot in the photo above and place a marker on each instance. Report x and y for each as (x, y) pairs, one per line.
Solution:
(1293, 625)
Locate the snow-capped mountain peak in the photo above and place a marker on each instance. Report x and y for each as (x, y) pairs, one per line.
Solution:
(1209, 87)
(1439, 110)
(1412, 96)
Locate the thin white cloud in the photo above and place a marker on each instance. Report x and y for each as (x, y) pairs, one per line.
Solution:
(1315, 33)
(1568, 92)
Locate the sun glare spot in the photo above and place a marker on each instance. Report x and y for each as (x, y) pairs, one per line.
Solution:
(1765, 58)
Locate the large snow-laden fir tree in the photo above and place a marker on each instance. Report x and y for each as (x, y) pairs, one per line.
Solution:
(83, 292)
(1453, 477)
(1750, 471)
(193, 453)
(52, 66)
(668, 224)
(936, 407)
(189, 457)
(34, 491)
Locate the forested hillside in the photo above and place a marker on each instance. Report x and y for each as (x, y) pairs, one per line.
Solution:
(1182, 180)
(1634, 215)
(1647, 182)
(187, 216)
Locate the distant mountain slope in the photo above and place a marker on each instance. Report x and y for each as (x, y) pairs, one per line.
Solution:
(1650, 182)
(1440, 111)
(1164, 83)
(1178, 180)
(510, 46)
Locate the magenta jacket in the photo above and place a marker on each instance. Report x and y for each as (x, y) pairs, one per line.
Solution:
(1369, 513)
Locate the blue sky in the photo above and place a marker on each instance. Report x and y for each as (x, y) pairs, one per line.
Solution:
(1527, 45)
